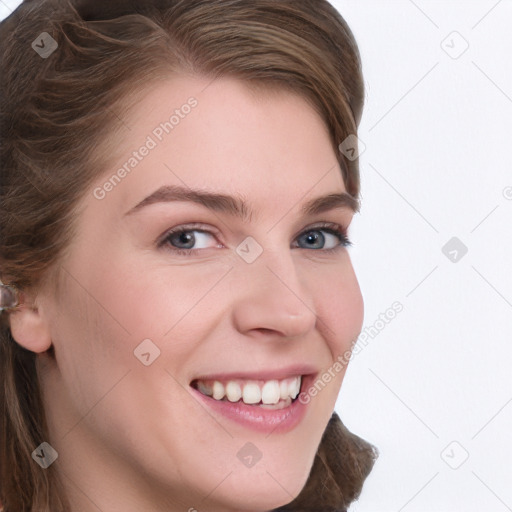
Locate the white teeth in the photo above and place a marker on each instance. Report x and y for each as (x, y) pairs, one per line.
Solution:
(233, 391)
(283, 387)
(251, 393)
(271, 393)
(218, 390)
(280, 405)
(294, 388)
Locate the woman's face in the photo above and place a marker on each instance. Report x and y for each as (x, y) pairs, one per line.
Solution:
(267, 293)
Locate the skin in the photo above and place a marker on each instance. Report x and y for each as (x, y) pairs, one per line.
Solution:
(132, 437)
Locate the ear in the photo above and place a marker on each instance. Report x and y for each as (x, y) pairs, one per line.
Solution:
(29, 326)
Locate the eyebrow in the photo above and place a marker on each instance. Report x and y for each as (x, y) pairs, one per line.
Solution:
(236, 206)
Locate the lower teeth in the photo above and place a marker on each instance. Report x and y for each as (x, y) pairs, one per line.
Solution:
(280, 405)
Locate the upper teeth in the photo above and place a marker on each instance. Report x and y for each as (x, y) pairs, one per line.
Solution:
(252, 392)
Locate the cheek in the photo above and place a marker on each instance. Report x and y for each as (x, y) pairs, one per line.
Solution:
(151, 299)
(86, 341)
(339, 305)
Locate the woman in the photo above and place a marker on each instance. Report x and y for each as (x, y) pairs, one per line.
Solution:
(178, 302)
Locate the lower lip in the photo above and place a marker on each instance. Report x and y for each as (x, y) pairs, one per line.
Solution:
(257, 418)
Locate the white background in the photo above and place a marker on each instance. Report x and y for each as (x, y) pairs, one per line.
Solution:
(438, 135)
(433, 386)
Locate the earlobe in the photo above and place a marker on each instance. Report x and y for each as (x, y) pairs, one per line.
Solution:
(29, 328)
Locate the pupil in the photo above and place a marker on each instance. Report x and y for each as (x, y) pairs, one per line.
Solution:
(186, 238)
(314, 239)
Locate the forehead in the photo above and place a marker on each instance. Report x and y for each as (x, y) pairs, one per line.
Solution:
(224, 136)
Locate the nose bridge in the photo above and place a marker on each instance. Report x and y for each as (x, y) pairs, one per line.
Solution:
(269, 294)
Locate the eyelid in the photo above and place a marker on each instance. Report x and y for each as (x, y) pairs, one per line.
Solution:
(322, 225)
(193, 226)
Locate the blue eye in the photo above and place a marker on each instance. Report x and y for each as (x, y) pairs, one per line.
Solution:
(314, 237)
(184, 240)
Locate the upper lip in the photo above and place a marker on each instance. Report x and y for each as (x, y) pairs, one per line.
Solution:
(277, 374)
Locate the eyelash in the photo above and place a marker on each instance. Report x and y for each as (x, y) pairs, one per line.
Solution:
(331, 228)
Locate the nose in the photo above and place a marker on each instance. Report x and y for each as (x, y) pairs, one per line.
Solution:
(270, 298)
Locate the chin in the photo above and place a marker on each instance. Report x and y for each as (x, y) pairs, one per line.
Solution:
(257, 490)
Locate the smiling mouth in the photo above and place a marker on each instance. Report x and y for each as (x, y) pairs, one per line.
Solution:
(267, 394)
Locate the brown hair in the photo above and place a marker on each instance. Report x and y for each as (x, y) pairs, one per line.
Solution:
(57, 116)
